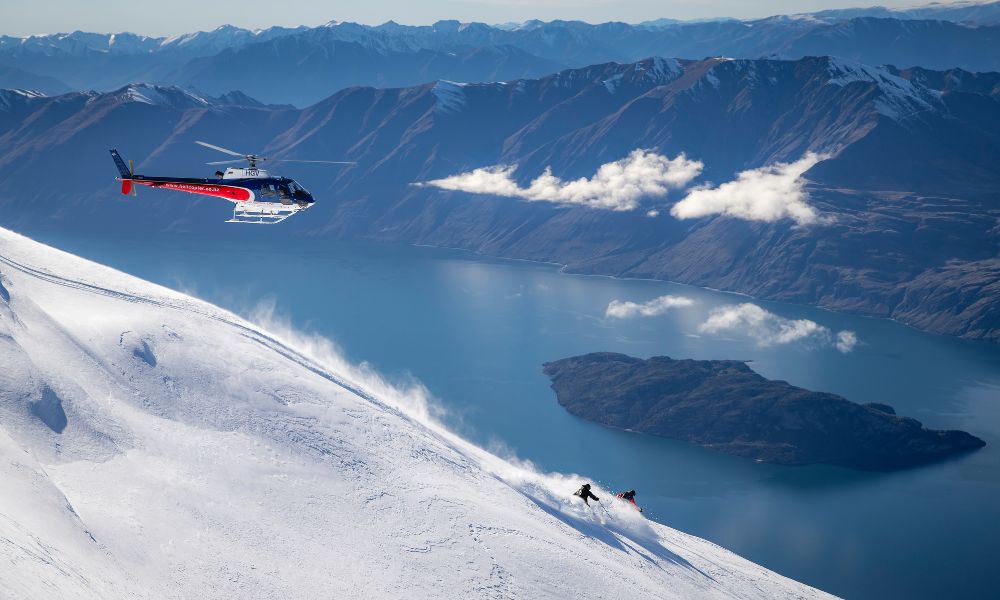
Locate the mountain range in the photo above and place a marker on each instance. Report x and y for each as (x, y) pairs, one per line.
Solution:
(971, 11)
(905, 190)
(304, 65)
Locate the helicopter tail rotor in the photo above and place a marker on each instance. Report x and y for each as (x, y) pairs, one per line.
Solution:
(131, 188)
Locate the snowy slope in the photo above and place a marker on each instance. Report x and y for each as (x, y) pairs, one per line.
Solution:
(156, 446)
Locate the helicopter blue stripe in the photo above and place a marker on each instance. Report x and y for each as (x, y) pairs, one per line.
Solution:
(122, 167)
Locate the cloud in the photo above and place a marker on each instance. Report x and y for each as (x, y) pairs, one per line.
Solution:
(657, 306)
(766, 194)
(769, 329)
(846, 341)
(617, 185)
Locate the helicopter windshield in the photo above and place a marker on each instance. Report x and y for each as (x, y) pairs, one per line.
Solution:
(297, 189)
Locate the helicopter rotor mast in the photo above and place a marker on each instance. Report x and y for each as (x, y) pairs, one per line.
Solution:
(253, 159)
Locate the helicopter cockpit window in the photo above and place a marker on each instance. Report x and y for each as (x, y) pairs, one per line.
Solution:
(283, 191)
(267, 190)
(298, 189)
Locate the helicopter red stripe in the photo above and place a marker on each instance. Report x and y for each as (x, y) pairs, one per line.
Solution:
(229, 192)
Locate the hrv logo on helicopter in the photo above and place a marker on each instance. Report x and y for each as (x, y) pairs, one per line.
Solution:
(257, 196)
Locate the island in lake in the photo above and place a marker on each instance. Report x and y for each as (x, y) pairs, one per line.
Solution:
(725, 405)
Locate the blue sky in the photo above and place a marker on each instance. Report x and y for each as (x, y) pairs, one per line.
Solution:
(167, 17)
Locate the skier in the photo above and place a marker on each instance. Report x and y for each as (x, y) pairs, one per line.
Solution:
(585, 493)
(630, 497)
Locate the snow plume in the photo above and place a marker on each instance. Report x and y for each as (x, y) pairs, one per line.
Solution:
(552, 492)
(616, 186)
(409, 397)
(618, 309)
(766, 194)
(769, 329)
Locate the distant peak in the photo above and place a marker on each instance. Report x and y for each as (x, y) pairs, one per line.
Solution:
(145, 93)
(899, 98)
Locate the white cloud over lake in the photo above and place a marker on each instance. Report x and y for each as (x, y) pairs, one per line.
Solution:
(769, 193)
(618, 309)
(616, 186)
(846, 341)
(769, 329)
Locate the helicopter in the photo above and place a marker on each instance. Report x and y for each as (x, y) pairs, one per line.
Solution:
(257, 196)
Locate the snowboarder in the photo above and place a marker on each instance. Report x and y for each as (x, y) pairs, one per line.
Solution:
(585, 493)
(629, 496)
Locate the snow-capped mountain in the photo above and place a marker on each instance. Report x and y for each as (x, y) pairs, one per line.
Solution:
(193, 44)
(79, 42)
(202, 43)
(537, 48)
(157, 446)
(974, 11)
(308, 64)
(913, 231)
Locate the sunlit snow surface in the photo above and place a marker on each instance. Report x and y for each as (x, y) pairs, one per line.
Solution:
(203, 456)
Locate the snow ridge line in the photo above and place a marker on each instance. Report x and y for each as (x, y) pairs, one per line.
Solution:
(254, 334)
(443, 435)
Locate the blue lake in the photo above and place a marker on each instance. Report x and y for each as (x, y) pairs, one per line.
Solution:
(476, 331)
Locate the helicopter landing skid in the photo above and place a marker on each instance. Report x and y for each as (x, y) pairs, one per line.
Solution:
(262, 214)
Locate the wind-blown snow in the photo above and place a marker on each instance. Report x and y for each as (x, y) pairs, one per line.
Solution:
(206, 456)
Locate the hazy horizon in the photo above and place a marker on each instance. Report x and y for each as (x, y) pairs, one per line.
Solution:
(184, 16)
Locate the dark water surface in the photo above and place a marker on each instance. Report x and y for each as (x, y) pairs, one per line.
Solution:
(476, 331)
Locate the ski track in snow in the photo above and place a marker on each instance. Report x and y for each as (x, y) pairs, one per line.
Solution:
(156, 446)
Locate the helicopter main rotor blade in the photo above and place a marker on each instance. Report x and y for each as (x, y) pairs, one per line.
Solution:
(328, 162)
(219, 148)
(225, 162)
